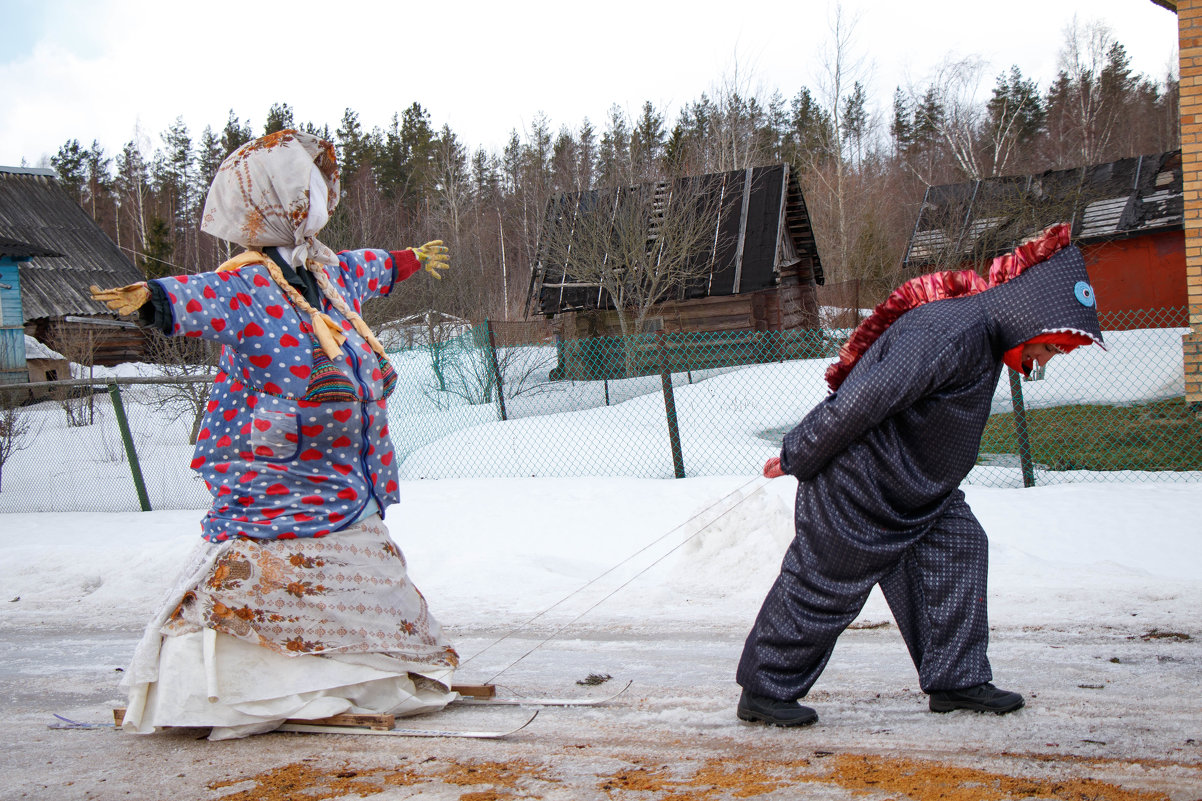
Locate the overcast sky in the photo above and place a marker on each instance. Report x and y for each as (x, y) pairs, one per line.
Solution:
(108, 69)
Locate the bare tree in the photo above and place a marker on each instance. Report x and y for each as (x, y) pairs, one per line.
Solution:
(955, 86)
(638, 246)
(1086, 101)
(841, 70)
(79, 344)
(16, 432)
(183, 358)
(465, 368)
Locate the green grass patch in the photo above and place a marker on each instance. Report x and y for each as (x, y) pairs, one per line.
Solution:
(1165, 435)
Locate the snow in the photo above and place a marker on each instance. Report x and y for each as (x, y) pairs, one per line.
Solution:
(1095, 583)
(37, 350)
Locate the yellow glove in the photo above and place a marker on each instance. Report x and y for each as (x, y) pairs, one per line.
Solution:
(433, 257)
(123, 300)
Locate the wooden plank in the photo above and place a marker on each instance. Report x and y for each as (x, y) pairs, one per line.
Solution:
(475, 690)
(374, 722)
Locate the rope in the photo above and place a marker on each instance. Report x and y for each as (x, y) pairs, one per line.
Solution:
(624, 584)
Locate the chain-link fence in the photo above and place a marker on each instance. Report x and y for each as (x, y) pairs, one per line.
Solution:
(652, 406)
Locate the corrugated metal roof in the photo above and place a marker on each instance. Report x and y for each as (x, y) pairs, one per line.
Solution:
(978, 220)
(34, 209)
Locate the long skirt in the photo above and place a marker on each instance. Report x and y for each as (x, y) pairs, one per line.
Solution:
(258, 631)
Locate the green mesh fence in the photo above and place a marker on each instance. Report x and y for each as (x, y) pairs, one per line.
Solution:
(654, 406)
(74, 457)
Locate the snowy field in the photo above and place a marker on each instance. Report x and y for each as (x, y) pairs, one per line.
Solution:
(1095, 591)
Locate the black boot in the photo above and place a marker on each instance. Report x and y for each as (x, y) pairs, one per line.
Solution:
(761, 709)
(982, 698)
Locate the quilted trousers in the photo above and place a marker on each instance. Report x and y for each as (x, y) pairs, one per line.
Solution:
(934, 581)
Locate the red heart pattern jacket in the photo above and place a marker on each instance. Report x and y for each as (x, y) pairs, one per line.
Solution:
(293, 443)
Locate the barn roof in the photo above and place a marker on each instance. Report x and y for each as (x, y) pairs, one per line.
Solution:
(760, 216)
(20, 251)
(978, 220)
(34, 209)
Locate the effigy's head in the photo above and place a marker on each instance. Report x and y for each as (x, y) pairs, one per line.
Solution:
(277, 190)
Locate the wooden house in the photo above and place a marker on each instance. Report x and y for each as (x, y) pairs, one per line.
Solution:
(759, 274)
(56, 307)
(13, 356)
(1127, 216)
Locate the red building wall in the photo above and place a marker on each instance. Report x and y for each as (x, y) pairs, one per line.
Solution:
(1140, 274)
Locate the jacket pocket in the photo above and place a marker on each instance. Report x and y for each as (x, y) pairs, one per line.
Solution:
(275, 436)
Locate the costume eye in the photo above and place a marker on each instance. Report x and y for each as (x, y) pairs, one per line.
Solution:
(1084, 293)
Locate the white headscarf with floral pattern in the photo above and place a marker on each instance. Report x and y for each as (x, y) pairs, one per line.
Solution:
(278, 190)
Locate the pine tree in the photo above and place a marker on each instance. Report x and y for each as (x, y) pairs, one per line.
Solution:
(155, 259)
(647, 144)
(1015, 117)
(564, 154)
(537, 156)
(234, 134)
(279, 117)
(901, 130)
(586, 156)
(613, 156)
(98, 184)
(855, 122)
(418, 152)
(354, 147)
(177, 193)
(209, 155)
(452, 180)
(485, 183)
(132, 184)
(71, 165)
(676, 152)
(175, 178)
(810, 134)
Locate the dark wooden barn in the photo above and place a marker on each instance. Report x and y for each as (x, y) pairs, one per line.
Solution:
(55, 305)
(1126, 215)
(760, 277)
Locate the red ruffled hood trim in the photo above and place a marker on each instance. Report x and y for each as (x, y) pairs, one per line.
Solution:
(938, 286)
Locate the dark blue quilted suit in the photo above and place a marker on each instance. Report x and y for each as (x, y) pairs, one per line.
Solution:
(879, 463)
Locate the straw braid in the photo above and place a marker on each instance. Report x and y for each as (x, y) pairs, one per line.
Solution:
(332, 294)
(329, 334)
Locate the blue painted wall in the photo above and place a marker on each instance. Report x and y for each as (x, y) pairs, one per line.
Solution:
(12, 326)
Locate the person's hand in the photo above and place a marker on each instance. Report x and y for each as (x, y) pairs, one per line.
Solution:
(123, 300)
(772, 468)
(433, 257)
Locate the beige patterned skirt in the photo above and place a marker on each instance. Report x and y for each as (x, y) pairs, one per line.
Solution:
(256, 631)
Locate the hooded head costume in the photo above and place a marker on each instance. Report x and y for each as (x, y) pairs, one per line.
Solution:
(1062, 292)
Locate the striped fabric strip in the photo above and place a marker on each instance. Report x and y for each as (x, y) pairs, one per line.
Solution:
(327, 384)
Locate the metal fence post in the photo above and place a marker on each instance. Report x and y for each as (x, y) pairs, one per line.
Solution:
(130, 453)
(496, 367)
(1020, 429)
(670, 406)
